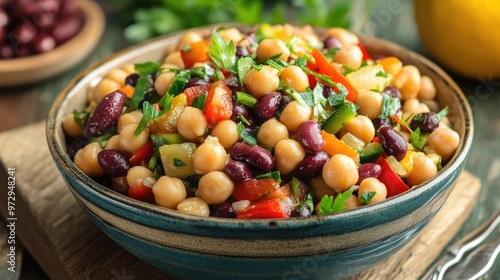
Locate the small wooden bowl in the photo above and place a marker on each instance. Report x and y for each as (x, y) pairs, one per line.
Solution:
(29, 69)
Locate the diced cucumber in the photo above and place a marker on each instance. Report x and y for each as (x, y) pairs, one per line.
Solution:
(338, 119)
(177, 159)
(166, 139)
(370, 153)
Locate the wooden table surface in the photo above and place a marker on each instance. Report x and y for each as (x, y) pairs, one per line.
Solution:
(28, 104)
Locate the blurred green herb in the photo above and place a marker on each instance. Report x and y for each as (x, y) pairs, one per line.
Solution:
(149, 18)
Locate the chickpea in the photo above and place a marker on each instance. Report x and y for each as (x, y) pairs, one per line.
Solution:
(271, 132)
(163, 82)
(231, 34)
(369, 103)
(195, 206)
(188, 38)
(70, 127)
(350, 55)
(129, 68)
(113, 143)
(137, 174)
(105, 87)
(399, 79)
(117, 75)
(174, 58)
(209, 156)
(373, 185)
(361, 127)
(131, 143)
(294, 114)
(86, 160)
(352, 202)
(444, 141)
(427, 89)
(345, 37)
(289, 154)
(271, 47)
(169, 191)
(319, 188)
(340, 172)
(192, 123)
(411, 106)
(412, 85)
(423, 169)
(263, 81)
(227, 133)
(215, 187)
(294, 77)
(133, 117)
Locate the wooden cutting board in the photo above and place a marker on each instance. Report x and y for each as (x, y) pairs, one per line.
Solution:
(67, 245)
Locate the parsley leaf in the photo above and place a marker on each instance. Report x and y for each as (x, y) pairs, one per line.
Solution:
(147, 68)
(80, 117)
(199, 101)
(250, 139)
(140, 91)
(367, 196)
(313, 99)
(244, 65)
(308, 201)
(222, 53)
(329, 206)
(442, 113)
(415, 138)
(178, 162)
(381, 74)
(390, 106)
(275, 175)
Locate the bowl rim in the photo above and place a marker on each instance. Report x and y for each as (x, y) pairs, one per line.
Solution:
(14, 71)
(59, 155)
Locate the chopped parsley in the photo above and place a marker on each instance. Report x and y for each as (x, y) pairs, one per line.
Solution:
(249, 139)
(199, 101)
(381, 74)
(390, 106)
(178, 162)
(313, 99)
(222, 53)
(244, 65)
(443, 113)
(275, 175)
(366, 197)
(329, 205)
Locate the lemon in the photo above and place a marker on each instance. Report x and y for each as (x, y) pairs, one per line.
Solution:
(462, 35)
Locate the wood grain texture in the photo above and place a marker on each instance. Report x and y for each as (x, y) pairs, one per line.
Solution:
(68, 245)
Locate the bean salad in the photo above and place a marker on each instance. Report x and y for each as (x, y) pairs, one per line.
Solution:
(278, 122)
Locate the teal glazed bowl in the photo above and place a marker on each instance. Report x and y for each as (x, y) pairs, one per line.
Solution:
(319, 247)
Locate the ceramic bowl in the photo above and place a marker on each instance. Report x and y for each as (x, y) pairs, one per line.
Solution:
(319, 247)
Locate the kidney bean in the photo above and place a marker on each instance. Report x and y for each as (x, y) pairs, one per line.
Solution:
(24, 33)
(241, 51)
(266, 106)
(233, 83)
(237, 171)
(309, 135)
(332, 42)
(196, 81)
(238, 110)
(66, 29)
(392, 91)
(76, 145)
(120, 184)
(313, 164)
(327, 91)
(255, 157)
(393, 143)
(378, 122)
(303, 212)
(367, 170)
(44, 43)
(113, 162)
(223, 210)
(105, 115)
(132, 79)
(427, 122)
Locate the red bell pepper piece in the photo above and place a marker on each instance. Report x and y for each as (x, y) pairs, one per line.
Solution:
(143, 155)
(141, 192)
(391, 180)
(266, 209)
(254, 189)
(194, 52)
(219, 105)
(366, 55)
(323, 66)
(193, 92)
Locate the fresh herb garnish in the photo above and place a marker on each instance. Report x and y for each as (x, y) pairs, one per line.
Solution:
(150, 113)
(80, 118)
(275, 175)
(329, 205)
(244, 65)
(199, 101)
(178, 162)
(249, 139)
(245, 99)
(348, 69)
(366, 197)
(179, 82)
(390, 106)
(313, 99)
(415, 138)
(294, 187)
(381, 74)
(147, 68)
(222, 53)
(443, 113)
(140, 91)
